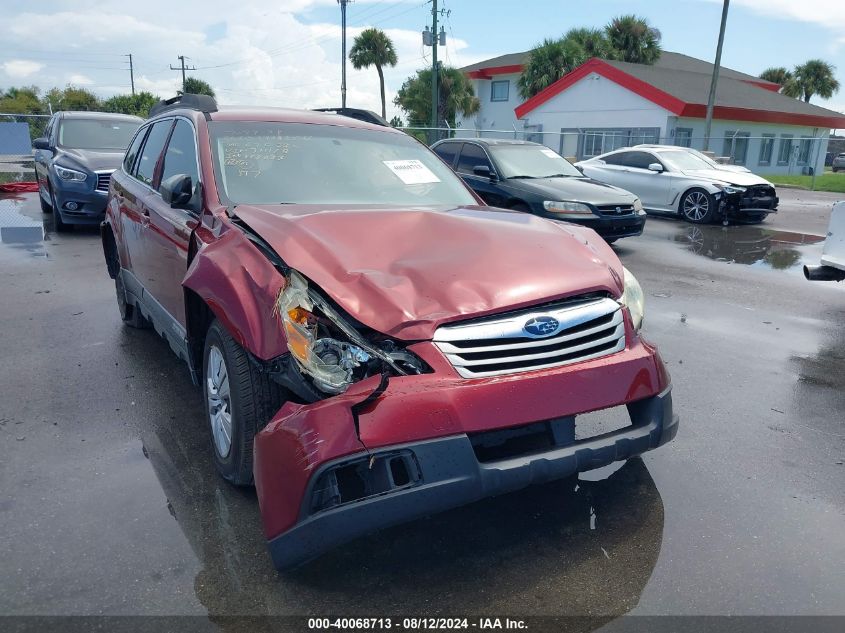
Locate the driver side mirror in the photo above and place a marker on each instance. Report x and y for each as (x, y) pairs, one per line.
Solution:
(177, 191)
(485, 171)
(41, 143)
(657, 167)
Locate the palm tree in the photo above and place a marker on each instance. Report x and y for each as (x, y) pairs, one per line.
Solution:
(455, 96)
(196, 86)
(593, 41)
(373, 48)
(633, 39)
(547, 63)
(815, 77)
(777, 75)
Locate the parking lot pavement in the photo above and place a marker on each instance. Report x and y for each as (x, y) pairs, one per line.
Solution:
(110, 504)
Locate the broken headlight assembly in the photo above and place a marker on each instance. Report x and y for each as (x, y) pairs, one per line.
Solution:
(633, 299)
(327, 348)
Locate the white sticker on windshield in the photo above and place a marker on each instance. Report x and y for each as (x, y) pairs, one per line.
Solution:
(549, 153)
(411, 172)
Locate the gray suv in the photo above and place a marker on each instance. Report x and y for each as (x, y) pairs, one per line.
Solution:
(74, 161)
(838, 162)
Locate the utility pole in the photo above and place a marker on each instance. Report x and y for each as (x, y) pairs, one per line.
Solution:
(182, 59)
(343, 4)
(433, 38)
(131, 73)
(711, 99)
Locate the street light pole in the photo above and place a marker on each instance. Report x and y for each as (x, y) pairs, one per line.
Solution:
(711, 99)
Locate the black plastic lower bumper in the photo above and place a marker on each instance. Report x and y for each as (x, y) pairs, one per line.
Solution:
(450, 475)
(614, 227)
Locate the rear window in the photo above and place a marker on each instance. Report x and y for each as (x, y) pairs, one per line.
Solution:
(96, 134)
(300, 163)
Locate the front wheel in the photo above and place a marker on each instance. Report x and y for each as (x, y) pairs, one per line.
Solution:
(58, 224)
(698, 206)
(239, 401)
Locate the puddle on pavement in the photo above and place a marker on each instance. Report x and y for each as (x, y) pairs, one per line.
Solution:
(18, 229)
(751, 245)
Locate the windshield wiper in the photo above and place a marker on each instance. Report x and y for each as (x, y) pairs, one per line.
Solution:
(559, 176)
(523, 177)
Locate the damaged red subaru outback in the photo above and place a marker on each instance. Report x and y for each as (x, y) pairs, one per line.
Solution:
(373, 343)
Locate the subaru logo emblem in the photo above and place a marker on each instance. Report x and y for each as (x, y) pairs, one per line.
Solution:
(541, 326)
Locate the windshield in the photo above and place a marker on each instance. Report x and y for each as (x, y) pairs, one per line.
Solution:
(531, 161)
(96, 133)
(300, 163)
(683, 161)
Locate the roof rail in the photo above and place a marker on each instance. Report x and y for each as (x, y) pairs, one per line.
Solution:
(367, 116)
(187, 100)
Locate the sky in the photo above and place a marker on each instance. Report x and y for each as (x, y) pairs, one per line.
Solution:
(288, 52)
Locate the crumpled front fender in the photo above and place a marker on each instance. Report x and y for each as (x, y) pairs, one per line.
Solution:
(240, 286)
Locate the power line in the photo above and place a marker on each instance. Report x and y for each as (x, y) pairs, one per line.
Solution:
(182, 59)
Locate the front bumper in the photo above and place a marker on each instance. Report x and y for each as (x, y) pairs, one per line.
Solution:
(611, 227)
(446, 473)
(91, 204)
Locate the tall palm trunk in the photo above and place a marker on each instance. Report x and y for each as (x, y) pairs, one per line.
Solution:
(381, 83)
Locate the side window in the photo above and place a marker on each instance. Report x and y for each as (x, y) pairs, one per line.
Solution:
(471, 156)
(620, 158)
(132, 152)
(447, 151)
(181, 154)
(641, 160)
(145, 171)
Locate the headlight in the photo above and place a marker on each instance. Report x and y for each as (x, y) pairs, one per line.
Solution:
(638, 207)
(70, 174)
(325, 346)
(568, 208)
(633, 299)
(730, 189)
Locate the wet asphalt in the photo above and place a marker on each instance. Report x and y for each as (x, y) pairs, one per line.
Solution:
(109, 502)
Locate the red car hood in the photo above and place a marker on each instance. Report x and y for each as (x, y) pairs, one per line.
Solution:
(404, 272)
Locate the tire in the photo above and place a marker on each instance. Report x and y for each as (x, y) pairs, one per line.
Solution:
(59, 225)
(129, 314)
(45, 206)
(697, 206)
(236, 394)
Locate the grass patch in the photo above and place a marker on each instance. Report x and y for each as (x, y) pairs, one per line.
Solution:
(824, 182)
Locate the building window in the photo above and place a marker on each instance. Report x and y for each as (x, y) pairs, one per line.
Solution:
(597, 141)
(767, 146)
(784, 149)
(804, 150)
(736, 146)
(683, 136)
(499, 90)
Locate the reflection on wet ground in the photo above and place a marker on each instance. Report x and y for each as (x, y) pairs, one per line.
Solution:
(750, 245)
(19, 229)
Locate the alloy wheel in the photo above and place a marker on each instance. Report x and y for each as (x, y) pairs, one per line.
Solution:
(696, 206)
(219, 401)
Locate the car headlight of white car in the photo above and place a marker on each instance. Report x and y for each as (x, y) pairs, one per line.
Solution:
(70, 174)
(633, 298)
(731, 189)
(569, 209)
(638, 207)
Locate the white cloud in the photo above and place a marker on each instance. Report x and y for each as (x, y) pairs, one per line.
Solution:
(20, 68)
(80, 80)
(827, 13)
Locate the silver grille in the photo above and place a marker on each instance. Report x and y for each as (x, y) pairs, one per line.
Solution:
(103, 178)
(491, 347)
(616, 209)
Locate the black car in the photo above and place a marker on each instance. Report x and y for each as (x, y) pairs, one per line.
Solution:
(74, 161)
(533, 178)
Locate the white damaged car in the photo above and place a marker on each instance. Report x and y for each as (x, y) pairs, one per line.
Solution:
(674, 180)
(833, 254)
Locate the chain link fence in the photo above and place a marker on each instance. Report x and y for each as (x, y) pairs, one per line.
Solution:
(783, 154)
